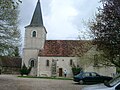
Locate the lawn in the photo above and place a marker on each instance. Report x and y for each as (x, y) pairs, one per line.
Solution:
(55, 78)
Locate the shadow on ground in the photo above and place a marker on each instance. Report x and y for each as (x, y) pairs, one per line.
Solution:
(85, 83)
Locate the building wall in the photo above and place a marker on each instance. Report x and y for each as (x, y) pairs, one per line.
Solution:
(64, 63)
(61, 62)
(87, 63)
(10, 70)
(30, 54)
(104, 70)
(35, 42)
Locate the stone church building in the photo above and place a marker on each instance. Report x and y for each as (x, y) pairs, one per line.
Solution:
(48, 57)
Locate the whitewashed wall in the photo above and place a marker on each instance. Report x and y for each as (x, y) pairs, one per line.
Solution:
(35, 42)
(62, 62)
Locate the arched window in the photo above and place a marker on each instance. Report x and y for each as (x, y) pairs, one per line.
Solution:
(34, 34)
(47, 62)
(32, 63)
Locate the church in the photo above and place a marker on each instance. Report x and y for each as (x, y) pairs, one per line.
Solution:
(49, 57)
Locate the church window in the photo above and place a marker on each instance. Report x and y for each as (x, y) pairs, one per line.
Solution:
(32, 63)
(34, 34)
(71, 62)
(47, 62)
(95, 60)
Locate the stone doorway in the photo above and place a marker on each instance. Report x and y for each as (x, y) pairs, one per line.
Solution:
(60, 72)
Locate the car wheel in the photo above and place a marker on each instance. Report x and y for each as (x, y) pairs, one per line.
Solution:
(81, 82)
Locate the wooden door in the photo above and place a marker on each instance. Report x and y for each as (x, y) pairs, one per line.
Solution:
(60, 72)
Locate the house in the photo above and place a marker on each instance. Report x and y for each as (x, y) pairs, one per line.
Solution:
(49, 57)
(10, 65)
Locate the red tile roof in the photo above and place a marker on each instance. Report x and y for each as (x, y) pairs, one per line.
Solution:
(64, 48)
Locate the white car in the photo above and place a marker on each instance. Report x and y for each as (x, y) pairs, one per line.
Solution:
(113, 84)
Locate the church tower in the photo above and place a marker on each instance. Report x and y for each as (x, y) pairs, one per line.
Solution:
(35, 36)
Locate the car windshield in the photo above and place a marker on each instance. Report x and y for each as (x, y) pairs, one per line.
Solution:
(113, 82)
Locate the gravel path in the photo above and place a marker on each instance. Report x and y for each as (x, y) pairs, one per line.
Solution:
(10, 82)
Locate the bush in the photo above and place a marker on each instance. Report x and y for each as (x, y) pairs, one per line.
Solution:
(76, 70)
(117, 69)
(24, 70)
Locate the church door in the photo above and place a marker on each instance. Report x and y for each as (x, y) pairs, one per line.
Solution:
(60, 72)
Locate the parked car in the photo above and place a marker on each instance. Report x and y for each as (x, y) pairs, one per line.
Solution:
(91, 77)
(113, 84)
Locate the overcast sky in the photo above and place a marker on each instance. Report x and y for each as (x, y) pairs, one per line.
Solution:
(63, 19)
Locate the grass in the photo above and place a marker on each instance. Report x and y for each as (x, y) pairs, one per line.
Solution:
(55, 78)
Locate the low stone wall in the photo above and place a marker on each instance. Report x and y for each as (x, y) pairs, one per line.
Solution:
(9, 70)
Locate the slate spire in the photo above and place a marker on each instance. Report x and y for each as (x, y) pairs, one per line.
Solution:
(37, 16)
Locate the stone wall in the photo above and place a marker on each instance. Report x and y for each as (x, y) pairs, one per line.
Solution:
(10, 70)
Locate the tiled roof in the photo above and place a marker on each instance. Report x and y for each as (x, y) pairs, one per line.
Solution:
(64, 48)
(10, 62)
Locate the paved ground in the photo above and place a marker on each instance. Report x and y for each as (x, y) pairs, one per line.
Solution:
(9, 82)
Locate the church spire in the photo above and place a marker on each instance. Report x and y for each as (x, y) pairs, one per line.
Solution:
(37, 16)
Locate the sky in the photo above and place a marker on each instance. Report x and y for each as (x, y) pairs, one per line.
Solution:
(63, 19)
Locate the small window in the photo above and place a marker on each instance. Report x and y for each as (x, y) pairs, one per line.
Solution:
(71, 62)
(96, 60)
(32, 63)
(47, 62)
(34, 34)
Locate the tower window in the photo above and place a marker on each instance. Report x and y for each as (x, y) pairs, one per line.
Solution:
(47, 62)
(34, 34)
(32, 63)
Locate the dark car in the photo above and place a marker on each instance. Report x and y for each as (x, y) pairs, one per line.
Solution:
(113, 84)
(90, 77)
